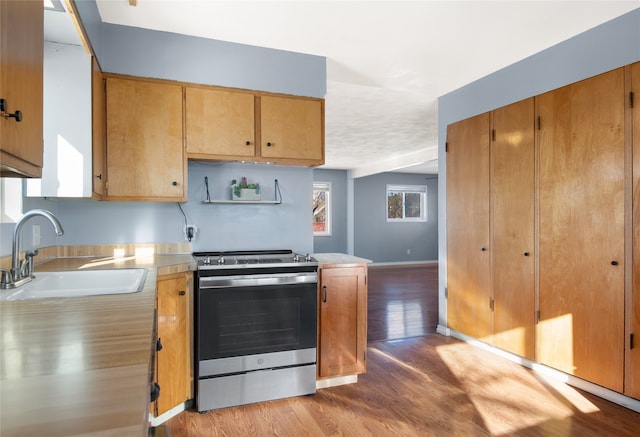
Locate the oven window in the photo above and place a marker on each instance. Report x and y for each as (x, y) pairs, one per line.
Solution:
(251, 320)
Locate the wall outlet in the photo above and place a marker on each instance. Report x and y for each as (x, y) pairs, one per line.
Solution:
(408, 251)
(35, 239)
(190, 232)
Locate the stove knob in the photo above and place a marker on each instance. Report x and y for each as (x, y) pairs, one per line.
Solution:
(307, 258)
(220, 260)
(206, 261)
(296, 258)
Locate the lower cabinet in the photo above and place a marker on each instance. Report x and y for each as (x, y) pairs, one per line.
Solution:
(342, 322)
(173, 361)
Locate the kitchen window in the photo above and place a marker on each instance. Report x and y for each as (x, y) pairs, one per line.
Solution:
(406, 203)
(321, 209)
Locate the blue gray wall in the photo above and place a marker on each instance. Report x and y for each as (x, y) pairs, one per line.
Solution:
(220, 226)
(388, 242)
(337, 241)
(603, 48)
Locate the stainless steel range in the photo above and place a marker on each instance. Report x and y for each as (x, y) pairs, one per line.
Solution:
(255, 327)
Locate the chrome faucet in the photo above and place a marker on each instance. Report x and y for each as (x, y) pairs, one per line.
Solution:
(20, 274)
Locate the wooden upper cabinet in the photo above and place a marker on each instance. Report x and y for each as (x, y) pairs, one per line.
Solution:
(98, 149)
(145, 156)
(219, 124)
(342, 333)
(21, 81)
(512, 224)
(292, 130)
(468, 248)
(632, 365)
(230, 125)
(582, 229)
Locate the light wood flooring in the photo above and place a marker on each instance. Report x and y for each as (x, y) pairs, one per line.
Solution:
(426, 385)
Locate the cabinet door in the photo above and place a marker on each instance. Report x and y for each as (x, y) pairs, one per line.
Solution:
(468, 261)
(512, 227)
(174, 363)
(632, 375)
(21, 73)
(145, 157)
(98, 149)
(343, 321)
(219, 124)
(581, 197)
(292, 130)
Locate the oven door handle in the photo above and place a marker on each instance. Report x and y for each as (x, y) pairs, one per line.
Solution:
(257, 280)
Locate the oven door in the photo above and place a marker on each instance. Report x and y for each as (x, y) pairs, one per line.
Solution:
(250, 315)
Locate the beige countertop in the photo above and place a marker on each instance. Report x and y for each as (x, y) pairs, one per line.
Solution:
(80, 366)
(326, 259)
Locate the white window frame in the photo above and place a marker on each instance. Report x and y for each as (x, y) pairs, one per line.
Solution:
(421, 189)
(326, 187)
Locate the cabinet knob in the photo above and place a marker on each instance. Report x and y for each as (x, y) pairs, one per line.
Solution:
(182, 293)
(484, 249)
(17, 115)
(324, 293)
(158, 345)
(174, 183)
(99, 176)
(526, 254)
(269, 144)
(614, 263)
(248, 143)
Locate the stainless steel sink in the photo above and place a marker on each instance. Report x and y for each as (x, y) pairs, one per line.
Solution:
(77, 283)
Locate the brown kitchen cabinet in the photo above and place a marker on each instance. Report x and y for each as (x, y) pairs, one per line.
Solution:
(581, 145)
(174, 362)
(468, 257)
(145, 155)
(21, 88)
(98, 135)
(342, 320)
(292, 130)
(235, 125)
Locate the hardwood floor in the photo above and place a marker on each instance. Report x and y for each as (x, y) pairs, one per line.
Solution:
(403, 301)
(427, 385)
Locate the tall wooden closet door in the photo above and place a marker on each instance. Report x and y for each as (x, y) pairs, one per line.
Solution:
(632, 367)
(468, 261)
(581, 198)
(512, 227)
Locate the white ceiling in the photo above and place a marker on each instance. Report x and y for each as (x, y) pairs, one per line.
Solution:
(387, 61)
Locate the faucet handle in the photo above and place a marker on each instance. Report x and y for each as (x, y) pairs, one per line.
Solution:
(5, 278)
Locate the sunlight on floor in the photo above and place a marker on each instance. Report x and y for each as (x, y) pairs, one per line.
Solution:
(498, 399)
(404, 319)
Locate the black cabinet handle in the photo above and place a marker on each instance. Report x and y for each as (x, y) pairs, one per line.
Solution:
(158, 345)
(614, 263)
(174, 183)
(99, 176)
(268, 144)
(526, 254)
(182, 293)
(248, 143)
(484, 249)
(17, 115)
(324, 293)
(155, 392)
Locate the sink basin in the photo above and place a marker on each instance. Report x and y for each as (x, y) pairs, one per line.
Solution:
(77, 283)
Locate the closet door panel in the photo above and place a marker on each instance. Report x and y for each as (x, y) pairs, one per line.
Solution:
(581, 198)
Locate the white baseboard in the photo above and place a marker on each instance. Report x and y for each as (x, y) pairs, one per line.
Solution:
(155, 421)
(338, 380)
(605, 393)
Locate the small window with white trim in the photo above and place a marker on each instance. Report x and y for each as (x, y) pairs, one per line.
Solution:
(406, 203)
(321, 209)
